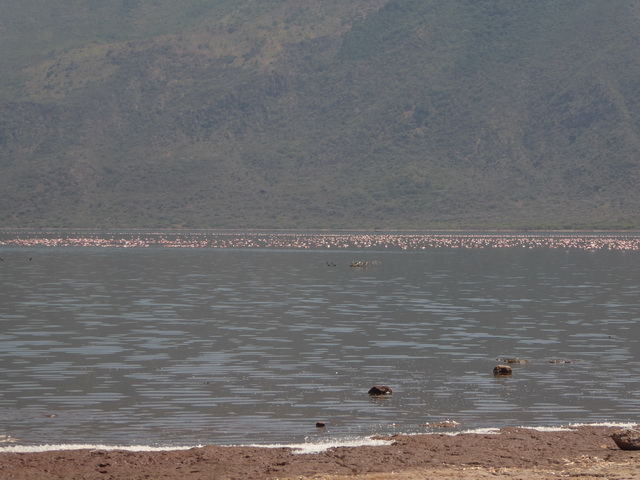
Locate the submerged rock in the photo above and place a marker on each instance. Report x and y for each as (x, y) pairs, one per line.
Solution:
(444, 424)
(513, 360)
(627, 439)
(502, 370)
(363, 264)
(378, 390)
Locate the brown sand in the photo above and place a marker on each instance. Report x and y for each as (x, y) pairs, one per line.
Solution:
(515, 453)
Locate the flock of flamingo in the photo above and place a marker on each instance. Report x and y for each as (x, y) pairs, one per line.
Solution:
(400, 241)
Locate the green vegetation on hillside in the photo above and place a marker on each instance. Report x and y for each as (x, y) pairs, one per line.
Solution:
(387, 114)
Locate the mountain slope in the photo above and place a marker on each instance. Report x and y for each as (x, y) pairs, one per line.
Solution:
(306, 114)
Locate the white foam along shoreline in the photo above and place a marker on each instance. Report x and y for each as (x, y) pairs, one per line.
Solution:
(297, 448)
(87, 446)
(302, 448)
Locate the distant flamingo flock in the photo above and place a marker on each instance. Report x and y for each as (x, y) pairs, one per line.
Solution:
(408, 241)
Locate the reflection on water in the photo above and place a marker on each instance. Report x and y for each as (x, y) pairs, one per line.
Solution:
(184, 346)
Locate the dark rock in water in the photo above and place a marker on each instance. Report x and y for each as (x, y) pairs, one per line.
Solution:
(560, 361)
(377, 390)
(513, 360)
(320, 424)
(501, 370)
(627, 439)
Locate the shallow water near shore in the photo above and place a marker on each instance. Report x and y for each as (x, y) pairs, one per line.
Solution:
(192, 346)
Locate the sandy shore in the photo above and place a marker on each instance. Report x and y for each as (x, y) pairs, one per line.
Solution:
(584, 452)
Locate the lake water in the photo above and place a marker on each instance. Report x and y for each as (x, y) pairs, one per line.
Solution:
(255, 344)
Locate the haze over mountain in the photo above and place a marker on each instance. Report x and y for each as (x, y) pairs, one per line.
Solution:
(390, 114)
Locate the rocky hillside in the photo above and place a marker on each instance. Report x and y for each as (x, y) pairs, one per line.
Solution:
(386, 114)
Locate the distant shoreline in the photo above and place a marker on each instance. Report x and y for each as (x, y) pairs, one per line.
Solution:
(436, 231)
(323, 241)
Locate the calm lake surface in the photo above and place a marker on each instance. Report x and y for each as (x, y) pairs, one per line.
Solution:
(188, 346)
